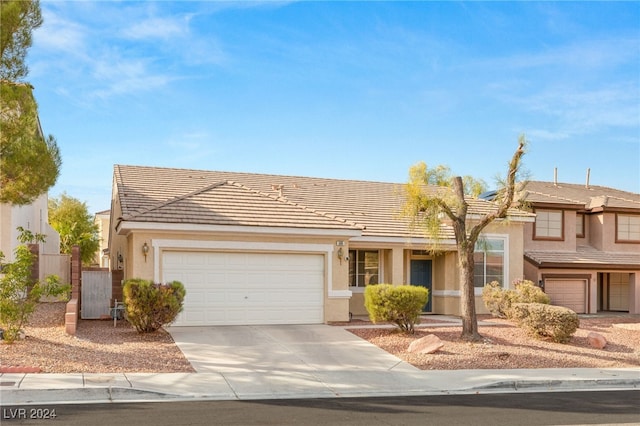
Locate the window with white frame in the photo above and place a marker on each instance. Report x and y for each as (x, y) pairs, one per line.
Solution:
(364, 267)
(548, 225)
(489, 261)
(627, 227)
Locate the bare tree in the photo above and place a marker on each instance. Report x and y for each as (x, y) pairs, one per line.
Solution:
(426, 205)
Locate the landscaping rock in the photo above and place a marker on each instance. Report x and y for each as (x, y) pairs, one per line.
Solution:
(596, 340)
(426, 345)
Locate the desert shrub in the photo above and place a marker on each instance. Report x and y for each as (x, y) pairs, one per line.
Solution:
(400, 305)
(499, 300)
(19, 293)
(528, 292)
(149, 306)
(542, 320)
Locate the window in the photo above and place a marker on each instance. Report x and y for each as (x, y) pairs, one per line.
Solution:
(363, 267)
(580, 225)
(489, 262)
(627, 228)
(548, 225)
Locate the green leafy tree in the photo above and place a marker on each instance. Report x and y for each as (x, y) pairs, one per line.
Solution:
(71, 218)
(19, 293)
(427, 205)
(29, 162)
(18, 19)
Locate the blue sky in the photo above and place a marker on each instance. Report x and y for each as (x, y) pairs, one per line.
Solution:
(354, 90)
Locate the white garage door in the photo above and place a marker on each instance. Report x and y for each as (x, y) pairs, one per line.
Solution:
(247, 288)
(571, 294)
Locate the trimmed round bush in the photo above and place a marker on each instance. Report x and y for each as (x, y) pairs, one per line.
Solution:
(546, 321)
(149, 306)
(400, 305)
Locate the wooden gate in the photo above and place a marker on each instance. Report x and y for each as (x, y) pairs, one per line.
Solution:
(96, 294)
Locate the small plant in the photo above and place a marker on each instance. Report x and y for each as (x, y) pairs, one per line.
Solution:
(149, 306)
(499, 300)
(400, 305)
(546, 321)
(19, 293)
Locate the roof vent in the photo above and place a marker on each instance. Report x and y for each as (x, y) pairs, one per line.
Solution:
(588, 175)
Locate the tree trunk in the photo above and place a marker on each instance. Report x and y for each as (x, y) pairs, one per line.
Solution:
(467, 294)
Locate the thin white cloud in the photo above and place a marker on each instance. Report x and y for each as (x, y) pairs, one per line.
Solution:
(158, 28)
(588, 55)
(59, 34)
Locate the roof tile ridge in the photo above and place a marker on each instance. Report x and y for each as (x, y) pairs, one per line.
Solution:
(623, 199)
(285, 200)
(178, 198)
(557, 197)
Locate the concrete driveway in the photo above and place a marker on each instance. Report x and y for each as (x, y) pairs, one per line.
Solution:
(290, 361)
(294, 348)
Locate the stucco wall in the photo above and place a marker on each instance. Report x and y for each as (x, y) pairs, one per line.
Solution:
(136, 266)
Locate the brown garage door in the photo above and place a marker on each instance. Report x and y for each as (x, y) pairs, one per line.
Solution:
(570, 293)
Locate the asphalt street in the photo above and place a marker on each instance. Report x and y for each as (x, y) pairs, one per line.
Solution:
(550, 408)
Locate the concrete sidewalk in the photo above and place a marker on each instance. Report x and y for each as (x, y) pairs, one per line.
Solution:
(272, 362)
(34, 389)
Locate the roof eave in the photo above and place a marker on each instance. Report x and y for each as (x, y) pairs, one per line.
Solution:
(126, 227)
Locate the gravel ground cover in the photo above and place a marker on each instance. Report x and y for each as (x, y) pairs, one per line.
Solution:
(99, 347)
(507, 346)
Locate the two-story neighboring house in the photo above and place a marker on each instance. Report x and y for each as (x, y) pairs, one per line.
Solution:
(32, 217)
(584, 246)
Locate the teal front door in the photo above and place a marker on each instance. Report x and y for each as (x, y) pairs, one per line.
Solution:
(421, 275)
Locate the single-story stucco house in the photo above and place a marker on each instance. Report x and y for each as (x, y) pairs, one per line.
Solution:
(268, 249)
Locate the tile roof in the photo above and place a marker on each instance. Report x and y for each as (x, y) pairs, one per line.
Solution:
(153, 194)
(582, 197)
(584, 257)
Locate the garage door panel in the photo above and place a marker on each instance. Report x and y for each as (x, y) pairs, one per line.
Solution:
(570, 293)
(248, 288)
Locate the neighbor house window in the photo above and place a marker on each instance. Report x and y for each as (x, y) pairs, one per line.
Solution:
(548, 225)
(580, 225)
(489, 260)
(364, 267)
(627, 228)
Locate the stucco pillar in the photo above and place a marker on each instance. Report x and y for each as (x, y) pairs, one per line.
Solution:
(397, 266)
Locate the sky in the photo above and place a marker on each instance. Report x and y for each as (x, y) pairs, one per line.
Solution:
(347, 90)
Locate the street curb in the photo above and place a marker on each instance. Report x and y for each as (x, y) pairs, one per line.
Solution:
(81, 396)
(577, 384)
(106, 395)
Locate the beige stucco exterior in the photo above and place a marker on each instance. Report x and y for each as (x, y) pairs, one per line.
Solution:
(445, 295)
(395, 262)
(599, 237)
(395, 246)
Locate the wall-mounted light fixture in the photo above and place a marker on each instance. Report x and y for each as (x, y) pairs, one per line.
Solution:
(145, 250)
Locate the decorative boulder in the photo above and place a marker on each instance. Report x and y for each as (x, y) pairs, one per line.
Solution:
(426, 345)
(596, 340)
